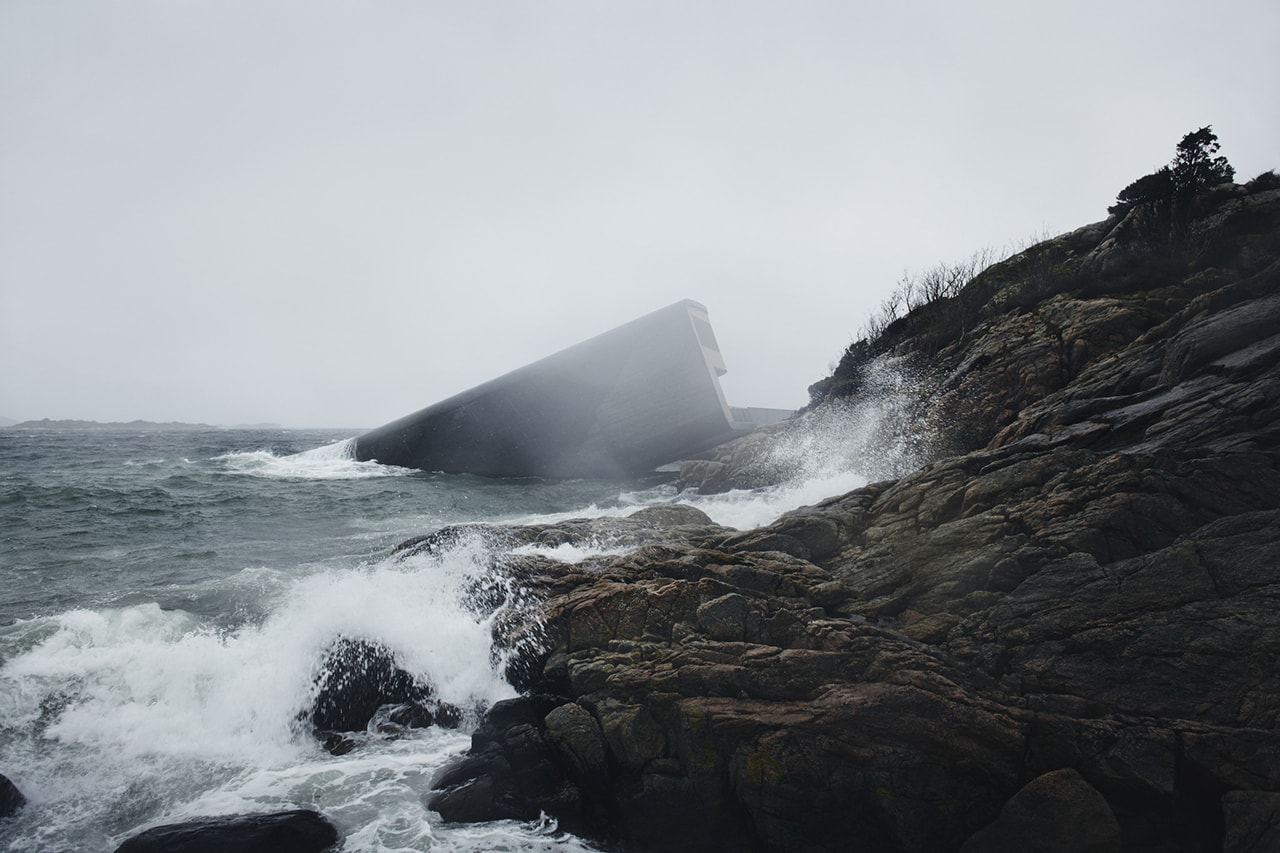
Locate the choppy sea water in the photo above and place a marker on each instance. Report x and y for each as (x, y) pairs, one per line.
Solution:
(166, 598)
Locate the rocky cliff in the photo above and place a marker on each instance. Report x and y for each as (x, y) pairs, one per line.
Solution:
(1062, 632)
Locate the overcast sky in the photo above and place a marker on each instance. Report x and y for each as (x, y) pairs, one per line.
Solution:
(334, 213)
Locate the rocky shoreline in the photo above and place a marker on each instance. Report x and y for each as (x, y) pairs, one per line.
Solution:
(1056, 629)
(1060, 634)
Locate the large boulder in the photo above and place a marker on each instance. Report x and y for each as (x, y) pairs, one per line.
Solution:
(360, 683)
(298, 831)
(531, 755)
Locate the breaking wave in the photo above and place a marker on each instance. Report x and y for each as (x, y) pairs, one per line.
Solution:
(838, 447)
(115, 713)
(335, 461)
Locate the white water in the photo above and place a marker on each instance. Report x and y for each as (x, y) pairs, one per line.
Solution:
(833, 450)
(568, 552)
(184, 700)
(335, 461)
(159, 705)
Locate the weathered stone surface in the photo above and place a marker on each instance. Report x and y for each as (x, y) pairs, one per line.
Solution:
(531, 755)
(578, 740)
(283, 832)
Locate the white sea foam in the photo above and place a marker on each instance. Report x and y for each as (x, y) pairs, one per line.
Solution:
(744, 509)
(589, 511)
(335, 461)
(144, 708)
(878, 434)
(569, 553)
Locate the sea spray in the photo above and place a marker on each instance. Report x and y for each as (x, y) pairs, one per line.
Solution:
(882, 432)
(129, 714)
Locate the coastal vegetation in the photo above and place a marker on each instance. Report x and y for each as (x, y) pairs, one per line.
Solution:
(1150, 229)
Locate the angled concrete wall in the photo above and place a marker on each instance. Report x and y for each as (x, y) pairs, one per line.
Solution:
(629, 400)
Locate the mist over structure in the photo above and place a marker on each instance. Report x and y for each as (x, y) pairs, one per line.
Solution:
(624, 402)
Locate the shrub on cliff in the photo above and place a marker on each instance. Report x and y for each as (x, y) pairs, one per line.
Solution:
(1156, 187)
(927, 313)
(1268, 180)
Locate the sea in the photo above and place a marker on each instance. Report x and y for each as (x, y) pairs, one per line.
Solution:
(167, 596)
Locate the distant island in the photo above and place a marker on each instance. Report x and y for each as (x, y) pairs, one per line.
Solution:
(146, 426)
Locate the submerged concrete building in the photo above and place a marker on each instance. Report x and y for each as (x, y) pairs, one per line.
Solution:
(628, 401)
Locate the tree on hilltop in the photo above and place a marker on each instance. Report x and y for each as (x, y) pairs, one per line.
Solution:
(1168, 195)
(1196, 165)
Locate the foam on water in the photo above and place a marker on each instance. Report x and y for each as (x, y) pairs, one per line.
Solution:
(622, 508)
(133, 715)
(569, 553)
(745, 509)
(336, 461)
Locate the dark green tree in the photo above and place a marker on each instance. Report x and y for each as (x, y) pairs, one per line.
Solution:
(1168, 195)
(1198, 165)
(1195, 166)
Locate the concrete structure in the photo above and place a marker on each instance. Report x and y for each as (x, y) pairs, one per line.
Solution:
(627, 401)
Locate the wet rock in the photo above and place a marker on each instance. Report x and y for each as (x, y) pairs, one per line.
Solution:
(578, 740)
(11, 798)
(444, 540)
(283, 832)
(521, 766)
(724, 618)
(360, 685)
(1058, 812)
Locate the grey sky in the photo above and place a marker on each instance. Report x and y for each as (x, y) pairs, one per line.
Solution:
(324, 213)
